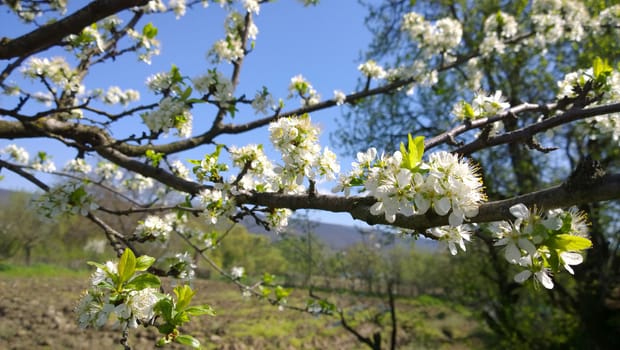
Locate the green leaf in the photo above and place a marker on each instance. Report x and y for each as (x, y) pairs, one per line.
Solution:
(265, 292)
(184, 295)
(282, 293)
(144, 262)
(149, 30)
(188, 340)
(76, 196)
(268, 278)
(154, 157)
(600, 68)
(145, 280)
(175, 74)
(200, 310)
(186, 93)
(412, 156)
(126, 265)
(164, 308)
(180, 318)
(469, 111)
(565, 242)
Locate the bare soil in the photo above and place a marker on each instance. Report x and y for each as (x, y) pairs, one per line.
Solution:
(37, 313)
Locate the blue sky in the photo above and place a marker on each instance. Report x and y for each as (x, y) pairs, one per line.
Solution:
(323, 43)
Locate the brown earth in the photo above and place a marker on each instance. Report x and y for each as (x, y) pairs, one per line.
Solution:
(37, 313)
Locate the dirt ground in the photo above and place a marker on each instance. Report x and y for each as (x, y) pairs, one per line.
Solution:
(37, 313)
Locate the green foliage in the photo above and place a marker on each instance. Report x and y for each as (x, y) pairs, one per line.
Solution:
(175, 314)
(412, 155)
(149, 30)
(154, 157)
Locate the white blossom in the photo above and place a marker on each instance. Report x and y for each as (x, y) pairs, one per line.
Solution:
(237, 272)
(141, 303)
(17, 153)
(340, 97)
(78, 165)
(372, 70)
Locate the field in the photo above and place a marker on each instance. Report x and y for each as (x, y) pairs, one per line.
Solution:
(36, 312)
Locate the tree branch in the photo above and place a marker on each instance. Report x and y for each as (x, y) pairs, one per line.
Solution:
(53, 33)
(530, 130)
(604, 188)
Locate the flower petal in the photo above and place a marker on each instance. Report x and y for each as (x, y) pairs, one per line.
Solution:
(520, 211)
(442, 206)
(544, 278)
(512, 253)
(522, 276)
(526, 245)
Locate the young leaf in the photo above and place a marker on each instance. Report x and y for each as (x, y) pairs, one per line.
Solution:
(145, 280)
(282, 293)
(200, 310)
(126, 265)
(186, 93)
(188, 340)
(600, 68)
(268, 278)
(164, 308)
(149, 30)
(469, 111)
(412, 156)
(144, 262)
(566, 242)
(184, 295)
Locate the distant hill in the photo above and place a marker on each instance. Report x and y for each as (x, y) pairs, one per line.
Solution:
(5, 195)
(336, 236)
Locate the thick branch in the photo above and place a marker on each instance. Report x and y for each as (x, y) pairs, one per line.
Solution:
(51, 34)
(605, 188)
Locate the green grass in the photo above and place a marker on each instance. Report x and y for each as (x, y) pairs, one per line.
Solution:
(40, 270)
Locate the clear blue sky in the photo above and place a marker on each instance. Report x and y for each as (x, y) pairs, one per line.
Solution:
(323, 43)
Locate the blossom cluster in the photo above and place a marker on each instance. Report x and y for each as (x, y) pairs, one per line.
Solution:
(17, 153)
(115, 95)
(555, 20)
(301, 87)
(124, 291)
(601, 86)
(230, 49)
(216, 203)
(67, 198)
(498, 29)
(440, 37)
(107, 171)
(543, 242)
(446, 183)
(371, 69)
(215, 84)
(154, 228)
(171, 113)
(297, 139)
(55, 70)
(259, 171)
(78, 165)
(182, 267)
(482, 106)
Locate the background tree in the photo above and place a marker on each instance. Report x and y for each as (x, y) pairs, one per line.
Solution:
(527, 74)
(22, 230)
